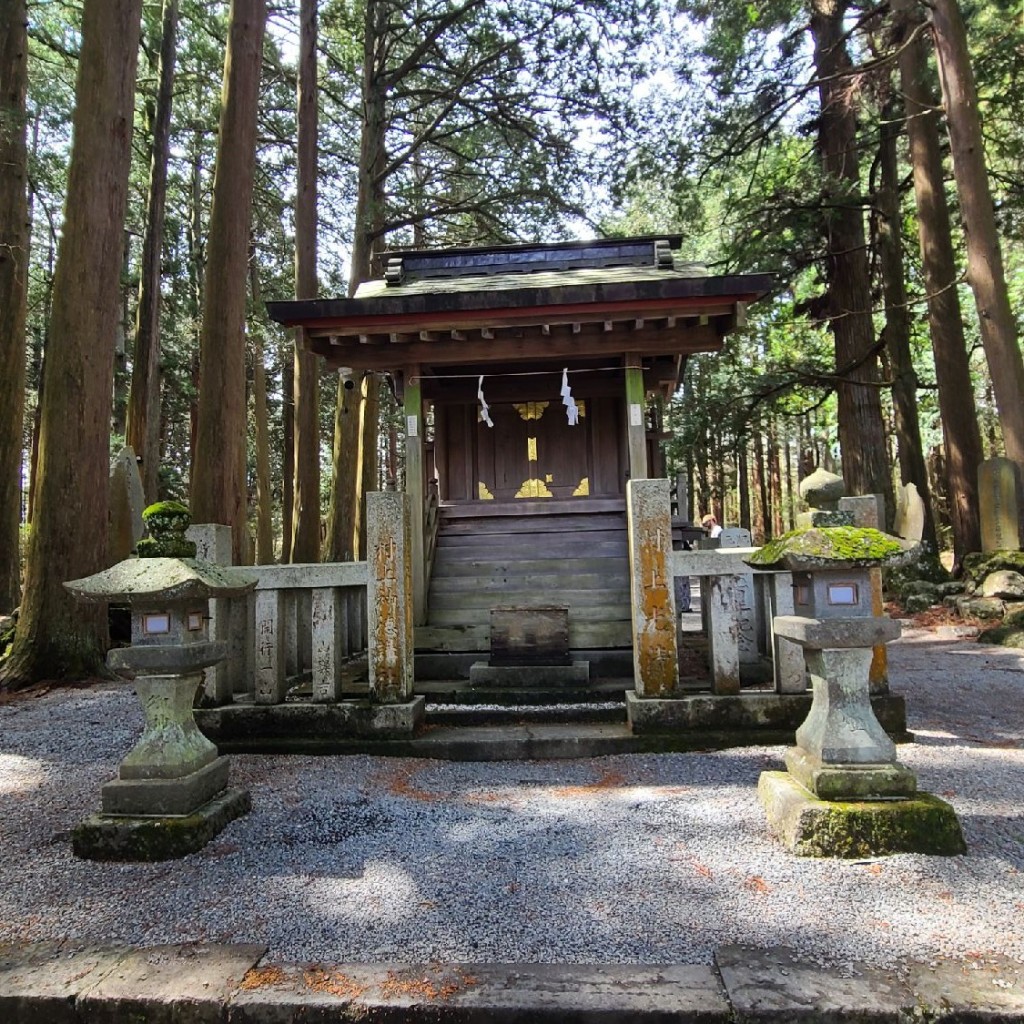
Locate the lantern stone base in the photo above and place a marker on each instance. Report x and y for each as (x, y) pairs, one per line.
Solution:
(850, 781)
(166, 796)
(811, 827)
(154, 837)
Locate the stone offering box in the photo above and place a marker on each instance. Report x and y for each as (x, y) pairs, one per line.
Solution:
(171, 795)
(844, 793)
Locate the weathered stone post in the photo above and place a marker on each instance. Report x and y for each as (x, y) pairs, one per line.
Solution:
(655, 657)
(171, 795)
(389, 596)
(845, 794)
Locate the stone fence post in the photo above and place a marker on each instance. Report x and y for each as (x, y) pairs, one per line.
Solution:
(389, 596)
(655, 655)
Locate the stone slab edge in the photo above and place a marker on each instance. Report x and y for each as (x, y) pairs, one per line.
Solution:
(51, 983)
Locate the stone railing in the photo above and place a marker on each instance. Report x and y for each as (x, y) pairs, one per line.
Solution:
(738, 606)
(315, 617)
(307, 616)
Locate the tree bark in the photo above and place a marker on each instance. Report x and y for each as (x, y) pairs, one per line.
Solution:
(357, 411)
(861, 432)
(264, 497)
(957, 409)
(896, 332)
(14, 248)
(985, 272)
(218, 491)
(55, 637)
(143, 431)
(305, 545)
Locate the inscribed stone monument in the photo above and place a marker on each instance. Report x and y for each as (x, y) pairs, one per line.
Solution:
(910, 513)
(999, 504)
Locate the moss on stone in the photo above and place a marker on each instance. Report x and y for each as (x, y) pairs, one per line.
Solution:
(1005, 635)
(978, 565)
(166, 522)
(847, 545)
(113, 838)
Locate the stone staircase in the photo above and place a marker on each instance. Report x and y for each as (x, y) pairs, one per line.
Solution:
(508, 559)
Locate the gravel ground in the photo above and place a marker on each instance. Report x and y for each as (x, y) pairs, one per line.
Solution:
(631, 859)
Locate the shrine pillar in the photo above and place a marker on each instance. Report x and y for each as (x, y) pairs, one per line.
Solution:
(636, 419)
(414, 488)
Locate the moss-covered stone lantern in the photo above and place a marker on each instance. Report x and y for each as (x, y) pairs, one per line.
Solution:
(845, 794)
(171, 795)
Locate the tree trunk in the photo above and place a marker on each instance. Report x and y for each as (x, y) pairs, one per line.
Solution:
(896, 332)
(14, 245)
(218, 491)
(356, 420)
(957, 409)
(143, 433)
(743, 482)
(264, 495)
(306, 517)
(861, 432)
(984, 257)
(287, 353)
(55, 637)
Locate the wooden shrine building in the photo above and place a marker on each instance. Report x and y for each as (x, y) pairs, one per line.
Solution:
(524, 371)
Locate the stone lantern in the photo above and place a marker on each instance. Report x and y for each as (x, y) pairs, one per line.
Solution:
(171, 795)
(845, 794)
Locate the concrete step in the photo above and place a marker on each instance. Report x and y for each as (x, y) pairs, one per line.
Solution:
(505, 580)
(465, 715)
(460, 693)
(467, 614)
(477, 636)
(514, 595)
(499, 565)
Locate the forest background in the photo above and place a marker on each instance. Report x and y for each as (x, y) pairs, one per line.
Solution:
(165, 167)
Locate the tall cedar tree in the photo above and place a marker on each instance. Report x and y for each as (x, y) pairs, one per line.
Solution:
(960, 433)
(143, 430)
(861, 431)
(218, 484)
(13, 285)
(55, 638)
(985, 272)
(356, 412)
(305, 546)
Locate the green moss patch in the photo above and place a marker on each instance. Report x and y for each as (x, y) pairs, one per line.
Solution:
(848, 545)
(1011, 635)
(851, 829)
(166, 522)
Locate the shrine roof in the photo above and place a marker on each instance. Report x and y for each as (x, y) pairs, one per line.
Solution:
(428, 284)
(525, 302)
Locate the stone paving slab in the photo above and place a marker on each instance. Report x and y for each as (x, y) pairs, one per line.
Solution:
(52, 983)
(482, 994)
(169, 985)
(770, 985)
(40, 983)
(985, 990)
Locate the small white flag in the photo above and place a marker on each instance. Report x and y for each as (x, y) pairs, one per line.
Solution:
(571, 411)
(485, 409)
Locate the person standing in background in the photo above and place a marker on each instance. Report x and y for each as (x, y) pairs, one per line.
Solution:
(710, 523)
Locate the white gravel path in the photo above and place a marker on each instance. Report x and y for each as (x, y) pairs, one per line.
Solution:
(637, 859)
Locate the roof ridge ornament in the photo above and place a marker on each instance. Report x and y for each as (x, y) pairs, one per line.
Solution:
(394, 272)
(663, 255)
